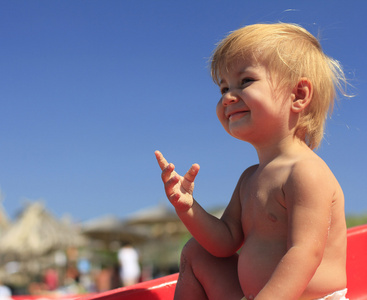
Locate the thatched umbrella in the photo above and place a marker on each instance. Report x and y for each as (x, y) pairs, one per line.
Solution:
(161, 220)
(36, 233)
(111, 229)
(158, 214)
(4, 221)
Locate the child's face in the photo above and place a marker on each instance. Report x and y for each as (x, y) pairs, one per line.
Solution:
(251, 109)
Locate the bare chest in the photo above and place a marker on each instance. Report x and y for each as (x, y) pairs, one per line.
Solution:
(263, 207)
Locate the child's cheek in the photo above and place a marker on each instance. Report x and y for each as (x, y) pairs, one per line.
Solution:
(220, 112)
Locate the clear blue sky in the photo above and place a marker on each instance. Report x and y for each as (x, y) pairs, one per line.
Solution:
(89, 89)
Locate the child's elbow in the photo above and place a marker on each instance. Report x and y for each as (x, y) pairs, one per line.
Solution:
(317, 254)
(312, 255)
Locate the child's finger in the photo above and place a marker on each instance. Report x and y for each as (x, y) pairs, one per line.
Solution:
(170, 186)
(167, 172)
(192, 172)
(162, 162)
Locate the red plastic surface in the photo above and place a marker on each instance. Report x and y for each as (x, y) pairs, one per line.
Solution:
(357, 263)
(157, 289)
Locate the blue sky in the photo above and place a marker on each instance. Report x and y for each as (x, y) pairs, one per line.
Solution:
(89, 89)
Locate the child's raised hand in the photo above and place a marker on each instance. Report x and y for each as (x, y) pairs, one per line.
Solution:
(178, 189)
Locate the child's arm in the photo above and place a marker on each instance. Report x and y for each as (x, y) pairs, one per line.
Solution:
(309, 194)
(221, 237)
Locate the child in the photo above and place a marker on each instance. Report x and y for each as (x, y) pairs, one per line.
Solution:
(286, 212)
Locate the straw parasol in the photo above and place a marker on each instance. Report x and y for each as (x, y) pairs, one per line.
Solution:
(4, 221)
(36, 232)
(110, 229)
(160, 213)
(161, 220)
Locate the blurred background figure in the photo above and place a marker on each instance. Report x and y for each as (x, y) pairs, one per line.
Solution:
(128, 258)
(51, 279)
(103, 279)
(5, 292)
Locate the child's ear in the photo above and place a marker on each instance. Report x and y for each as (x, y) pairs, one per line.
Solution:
(301, 95)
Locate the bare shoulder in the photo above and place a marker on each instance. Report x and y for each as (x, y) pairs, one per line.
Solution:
(309, 180)
(311, 169)
(247, 173)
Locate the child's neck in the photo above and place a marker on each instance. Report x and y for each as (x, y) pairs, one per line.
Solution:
(286, 147)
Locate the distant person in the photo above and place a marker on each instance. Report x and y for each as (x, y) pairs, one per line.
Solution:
(103, 279)
(5, 292)
(286, 213)
(128, 258)
(51, 279)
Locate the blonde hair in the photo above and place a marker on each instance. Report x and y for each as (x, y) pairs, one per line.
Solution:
(290, 52)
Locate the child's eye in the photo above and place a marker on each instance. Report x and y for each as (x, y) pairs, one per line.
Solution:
(223, 90)
(246, 80)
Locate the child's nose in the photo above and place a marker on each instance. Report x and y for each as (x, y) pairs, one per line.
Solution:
(229, 98)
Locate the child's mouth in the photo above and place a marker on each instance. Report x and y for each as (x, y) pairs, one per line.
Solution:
(237, 115)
